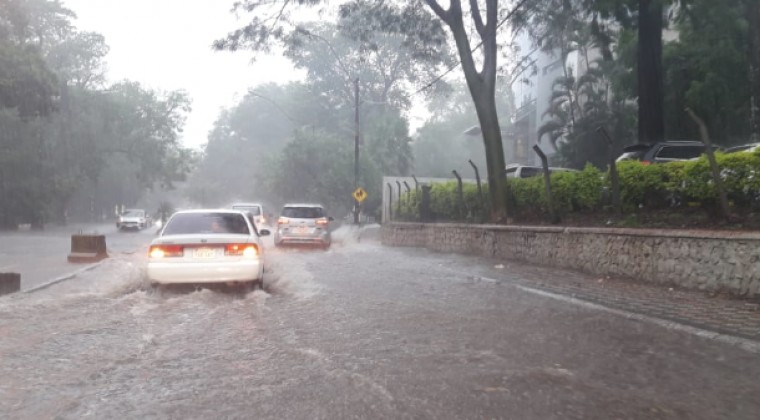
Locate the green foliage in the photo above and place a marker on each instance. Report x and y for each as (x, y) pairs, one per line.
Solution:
(740, 174)
(441, 145)
(707, 71)
(444, 203)
(706, 67)
(26, 84)
(641, 185)
(67, 145)
(528, 195)
(316, 168)
(572, 192)
(675, 186)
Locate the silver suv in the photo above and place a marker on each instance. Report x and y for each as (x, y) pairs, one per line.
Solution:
(303, 224)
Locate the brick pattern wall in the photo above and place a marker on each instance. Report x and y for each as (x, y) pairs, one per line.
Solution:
(704, 260)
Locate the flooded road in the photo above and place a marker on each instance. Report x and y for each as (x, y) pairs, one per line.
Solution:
(359, 331)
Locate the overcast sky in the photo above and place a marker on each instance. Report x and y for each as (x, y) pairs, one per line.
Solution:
(165, 44)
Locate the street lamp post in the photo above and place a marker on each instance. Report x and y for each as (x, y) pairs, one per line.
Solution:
(356, 149)
(348, 75)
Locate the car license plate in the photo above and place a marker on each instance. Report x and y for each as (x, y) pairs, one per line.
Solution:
(303, 230)
(205, 253)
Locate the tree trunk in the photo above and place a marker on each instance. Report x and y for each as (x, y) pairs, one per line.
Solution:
(753, 58)
(650, 77)
(482, 86)
(485, 106)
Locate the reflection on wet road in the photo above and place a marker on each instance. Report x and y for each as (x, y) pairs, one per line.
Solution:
(357, 331)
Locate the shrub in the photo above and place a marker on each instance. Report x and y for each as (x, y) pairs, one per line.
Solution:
(642, 188)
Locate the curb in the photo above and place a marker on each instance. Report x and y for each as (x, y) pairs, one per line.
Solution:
(64, 277)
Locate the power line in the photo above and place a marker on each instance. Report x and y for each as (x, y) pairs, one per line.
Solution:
(477, 47)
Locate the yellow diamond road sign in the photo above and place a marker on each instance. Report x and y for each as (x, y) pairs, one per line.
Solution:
(360, 195)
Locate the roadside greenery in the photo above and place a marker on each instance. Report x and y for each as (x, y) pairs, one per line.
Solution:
(706, 62)
(295, 142)
(675, 187)
(71, 146)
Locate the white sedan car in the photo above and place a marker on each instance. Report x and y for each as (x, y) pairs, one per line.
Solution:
(207, 246)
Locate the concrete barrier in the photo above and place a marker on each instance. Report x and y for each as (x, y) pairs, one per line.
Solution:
(87, 248)
(9, 283)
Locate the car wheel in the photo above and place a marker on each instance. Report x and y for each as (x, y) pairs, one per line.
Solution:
(251, 286)
(157, 289)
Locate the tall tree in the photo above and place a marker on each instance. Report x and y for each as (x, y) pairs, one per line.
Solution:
(388, 46)
(753, 56)
(649, 72)
(481, 81)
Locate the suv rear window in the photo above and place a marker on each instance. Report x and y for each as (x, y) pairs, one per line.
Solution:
(192, 223)
(255, 210)
(303, 212)
(680, 152)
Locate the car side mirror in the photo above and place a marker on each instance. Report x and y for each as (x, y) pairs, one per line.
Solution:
(264, 232)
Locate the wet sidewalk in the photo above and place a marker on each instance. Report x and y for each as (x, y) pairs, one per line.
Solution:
(709, 311)
(41, 256)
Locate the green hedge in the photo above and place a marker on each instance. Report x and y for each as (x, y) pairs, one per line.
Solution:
(443, 203)
(642, 188)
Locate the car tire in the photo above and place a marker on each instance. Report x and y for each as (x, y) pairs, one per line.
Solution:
(157, 289)
(251, 286)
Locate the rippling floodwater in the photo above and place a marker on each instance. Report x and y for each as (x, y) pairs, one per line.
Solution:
(357, 331)
(78, 347)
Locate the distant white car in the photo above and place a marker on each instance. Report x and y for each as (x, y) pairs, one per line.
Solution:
(522, 171)
(133, 219)
(208, 246)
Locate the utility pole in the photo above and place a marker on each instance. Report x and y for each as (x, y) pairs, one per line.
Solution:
(356, 148)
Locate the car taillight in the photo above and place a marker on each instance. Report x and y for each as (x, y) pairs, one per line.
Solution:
(245, 250)
(283, 221)
(323, 221)
(262, 220)
(166, 251)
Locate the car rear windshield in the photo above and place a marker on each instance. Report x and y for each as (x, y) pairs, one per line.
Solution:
(303, 212)
(255, 210)
(133, 213)
(680, 152)
(192, 223)
(632, 155)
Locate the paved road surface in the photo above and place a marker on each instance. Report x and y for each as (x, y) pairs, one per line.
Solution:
(41, 256)
(359, 331)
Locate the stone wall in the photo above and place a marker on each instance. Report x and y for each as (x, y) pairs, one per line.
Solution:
(704, 260)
